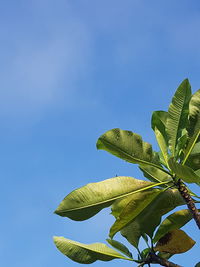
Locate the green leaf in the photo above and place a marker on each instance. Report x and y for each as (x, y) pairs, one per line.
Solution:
(158, 123)
(194, 123)
(133, 206)
(158, 120)
(145, 253)
(119, 246)
(150, 217)
(183, 172)
(86, 254)
(162, 144)
(197, 265)
(193, 160)
(178, 114)
(181, 145)
(174, 221)
(175, 241)
(154, 174)
(197, 173)
(127, 146)
(196, 149)
(85, 202)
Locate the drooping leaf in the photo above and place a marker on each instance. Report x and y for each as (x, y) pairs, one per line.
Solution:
(85, 202)
(194, 123)
(174, 221)
(133, 206)
(154, 174)
(193, 160)
(178, 114)
(119, 246)
(150, 217)
(128, 146)
(158, 120)
(183, 172)
(86, 254)
(175, 241)
(158, 124)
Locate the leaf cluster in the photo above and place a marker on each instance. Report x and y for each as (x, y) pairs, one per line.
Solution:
(139, 205)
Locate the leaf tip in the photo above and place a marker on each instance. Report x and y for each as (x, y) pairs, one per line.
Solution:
(56, 212)
(55, 239)
(97, 144)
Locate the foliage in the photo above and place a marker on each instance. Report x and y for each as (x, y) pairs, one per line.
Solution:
(139, 205)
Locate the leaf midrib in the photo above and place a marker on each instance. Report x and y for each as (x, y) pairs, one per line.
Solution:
(136, 159)
(114, 198)
(93, 250)
(179, 120)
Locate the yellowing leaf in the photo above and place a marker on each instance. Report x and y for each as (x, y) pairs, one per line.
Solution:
(175, 242)
(134, 206)
(85, 202)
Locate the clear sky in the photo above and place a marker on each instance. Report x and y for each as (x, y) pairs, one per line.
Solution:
(69, 71)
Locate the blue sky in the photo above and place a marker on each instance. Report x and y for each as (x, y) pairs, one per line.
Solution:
(70, 70)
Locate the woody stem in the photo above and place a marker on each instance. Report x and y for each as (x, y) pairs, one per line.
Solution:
(189, 201)
(153, 258)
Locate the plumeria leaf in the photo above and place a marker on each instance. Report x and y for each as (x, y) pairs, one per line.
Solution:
(119, 246)
(134, 205)
(174, 221)
(154, 174)
(194, 123)
(175, 241)
(193, 160)
(128, 146)
(87, 201)
(158, 124)
(150, 217)
(86, 254)
(178, 114)
(183, 172)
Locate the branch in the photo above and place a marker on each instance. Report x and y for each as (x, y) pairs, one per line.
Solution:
(153, 258)
(189, 201)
